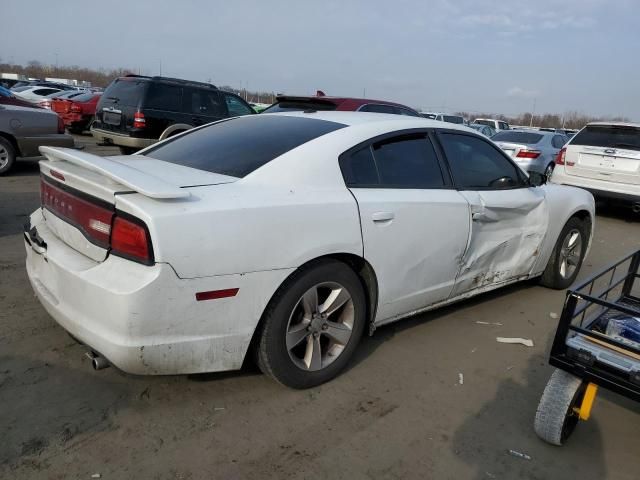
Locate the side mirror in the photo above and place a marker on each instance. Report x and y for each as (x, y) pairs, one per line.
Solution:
(537, 179)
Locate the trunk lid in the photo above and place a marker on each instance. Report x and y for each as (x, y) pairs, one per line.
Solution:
(79, 192)
(605, 152)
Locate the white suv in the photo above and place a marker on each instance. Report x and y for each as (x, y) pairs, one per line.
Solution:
(497, 125)
(604, 158)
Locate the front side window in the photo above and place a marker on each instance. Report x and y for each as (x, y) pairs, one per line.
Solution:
(407, 161)
(236, 106)
(204, 102)
(478, 165)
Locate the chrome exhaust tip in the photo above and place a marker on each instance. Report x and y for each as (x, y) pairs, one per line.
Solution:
(98, 362)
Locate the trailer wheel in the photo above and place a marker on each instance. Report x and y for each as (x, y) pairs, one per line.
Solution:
(555, 418)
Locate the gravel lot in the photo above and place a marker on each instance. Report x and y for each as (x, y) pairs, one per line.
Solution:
(398, 412)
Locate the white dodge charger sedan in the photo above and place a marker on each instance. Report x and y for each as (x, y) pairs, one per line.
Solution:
(287, 236)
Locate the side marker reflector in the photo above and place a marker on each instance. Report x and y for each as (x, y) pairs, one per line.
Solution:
(215, 294)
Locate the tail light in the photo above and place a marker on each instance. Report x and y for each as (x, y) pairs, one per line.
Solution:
(60, 125)
(561, 154)
(124, 235)
(139, 120)
(75, 109)
(129, 239)
(91, 218)
(528, 154)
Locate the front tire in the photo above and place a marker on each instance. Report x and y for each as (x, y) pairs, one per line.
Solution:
(567, 256)
(7, 156)
(312, 325)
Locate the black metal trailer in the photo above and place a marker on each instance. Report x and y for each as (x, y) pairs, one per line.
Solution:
(585, 356)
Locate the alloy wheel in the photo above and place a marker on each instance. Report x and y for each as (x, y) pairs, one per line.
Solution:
(570, 253)
(320, 326)
(4, 157)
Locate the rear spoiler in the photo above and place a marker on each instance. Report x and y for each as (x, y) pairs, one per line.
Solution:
(144, 183)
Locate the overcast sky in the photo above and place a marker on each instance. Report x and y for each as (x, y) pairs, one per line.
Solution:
(494, 56)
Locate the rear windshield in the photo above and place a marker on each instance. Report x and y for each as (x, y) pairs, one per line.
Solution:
(84, 97)
(517, 137)
(609, 137)
(238, 146)
(453, 119)
(299, 106)
(126, 91)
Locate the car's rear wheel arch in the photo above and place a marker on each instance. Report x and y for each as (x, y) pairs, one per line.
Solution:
(363, 270)
(11, 139)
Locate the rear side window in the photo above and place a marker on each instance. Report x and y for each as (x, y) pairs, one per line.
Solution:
(299, 106)
(478, 165)
(126, 92)
(517, 137)
(203, 102)
(376, 108)
(238, 146)
(408, 161)
(609, 137)
(453, 119)
(407, 112)
(164, 97)
(45, 91)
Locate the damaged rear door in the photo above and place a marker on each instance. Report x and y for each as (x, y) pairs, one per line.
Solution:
(508, 218)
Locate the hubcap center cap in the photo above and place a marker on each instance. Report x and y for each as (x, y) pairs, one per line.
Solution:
(316, 323)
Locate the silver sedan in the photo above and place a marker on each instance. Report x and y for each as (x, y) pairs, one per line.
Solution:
(532, 150)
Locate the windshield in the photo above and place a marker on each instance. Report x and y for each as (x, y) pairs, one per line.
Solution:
(238, 146)
(608, 136)
(517, 137)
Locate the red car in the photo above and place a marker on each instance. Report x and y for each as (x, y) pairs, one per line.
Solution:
(319, 101)
(77, 112)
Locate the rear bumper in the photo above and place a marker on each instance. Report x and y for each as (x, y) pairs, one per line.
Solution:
(145, 319)
(29, 145)
(105, 136)
(599, 188)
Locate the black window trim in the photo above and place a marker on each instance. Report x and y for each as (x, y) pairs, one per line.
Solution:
(524, 180)
(428, 132)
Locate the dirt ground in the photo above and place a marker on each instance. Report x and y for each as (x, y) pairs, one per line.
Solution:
(398, 412)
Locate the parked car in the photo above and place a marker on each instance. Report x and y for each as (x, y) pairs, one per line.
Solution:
(291, 234)
(34, 94)
(486, 130)
(532, 151)
(604, 158)
(497, 125)
(24, 129)
(77, 112)
(322, 102)
(46, 101)
(8, 98)
(137, 111)
(444, 117)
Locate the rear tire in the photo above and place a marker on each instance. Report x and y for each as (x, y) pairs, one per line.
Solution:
(555, 419)
(7, 156)
(299, 345)
(567, 255)
(549, 170)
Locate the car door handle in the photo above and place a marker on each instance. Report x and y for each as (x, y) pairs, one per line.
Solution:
(381, 217)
